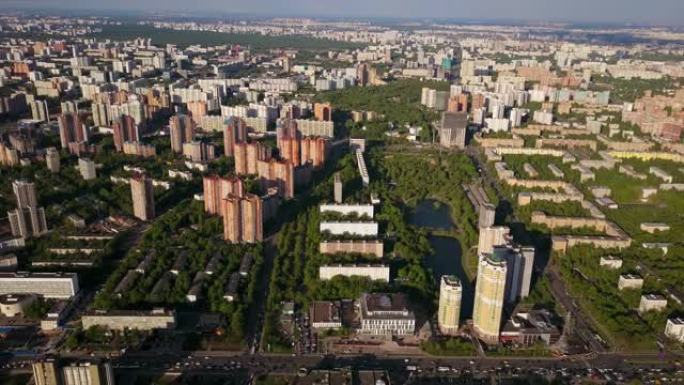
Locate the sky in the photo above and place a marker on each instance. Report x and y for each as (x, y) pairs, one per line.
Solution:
(642, 12)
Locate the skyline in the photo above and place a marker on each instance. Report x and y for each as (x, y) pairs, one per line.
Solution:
(625, 12)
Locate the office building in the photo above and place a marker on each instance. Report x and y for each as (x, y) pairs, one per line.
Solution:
(235, 132)
(142, 193)
(87, 168)
(338, 188)
(490, 291)
(181, 130)
(125, 129)
(71, 129)
(217, 188)
(49, 285)
(452, 132)
(386, 314)
(449, 312)
(242, 218)
(52, 160)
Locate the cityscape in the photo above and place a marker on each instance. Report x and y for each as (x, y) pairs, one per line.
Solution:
(276, 194)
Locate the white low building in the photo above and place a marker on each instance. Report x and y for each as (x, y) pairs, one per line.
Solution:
(373, 272)
(48, 285)
(675, 329)
(360, 210)
(363, 229)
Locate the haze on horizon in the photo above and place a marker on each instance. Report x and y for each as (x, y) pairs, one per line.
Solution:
(654, 12)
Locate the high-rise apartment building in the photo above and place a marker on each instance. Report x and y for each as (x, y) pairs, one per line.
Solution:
(199, 151)
(125, 129)
(490, 292)
(197, 109)
(142, 193)
(493, 236)
(242, 219)
(234, 132)
(27, 220)
(338, 188)
(71, 129)
(449, 313)
(323, 112)
(279, 174)
(182, 130)
(52, 160)
(87, 168)
(487, 215)
(217, 188)
(25, 194)
(314, 150)
(289, 149)
(452, 132)
(247, 155)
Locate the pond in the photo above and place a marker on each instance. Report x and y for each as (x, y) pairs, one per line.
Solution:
(446, 260)
(432, 214)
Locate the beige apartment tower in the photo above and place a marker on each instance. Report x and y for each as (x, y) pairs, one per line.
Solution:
(448, 316)
(490, 291)
(142, 193)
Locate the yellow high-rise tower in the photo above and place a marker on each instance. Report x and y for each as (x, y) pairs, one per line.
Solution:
(450, 292)
(490, 291)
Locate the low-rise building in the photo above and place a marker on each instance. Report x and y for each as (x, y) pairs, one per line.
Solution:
(372, 272)
(630, 281)
(363, 229)
(12, 305)
(529, 327)
(386, 314)
(610, 262)
(48, 285)
(325, 315)
(652, 302)
(653, 227)
(129, 319)
(675, 329)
